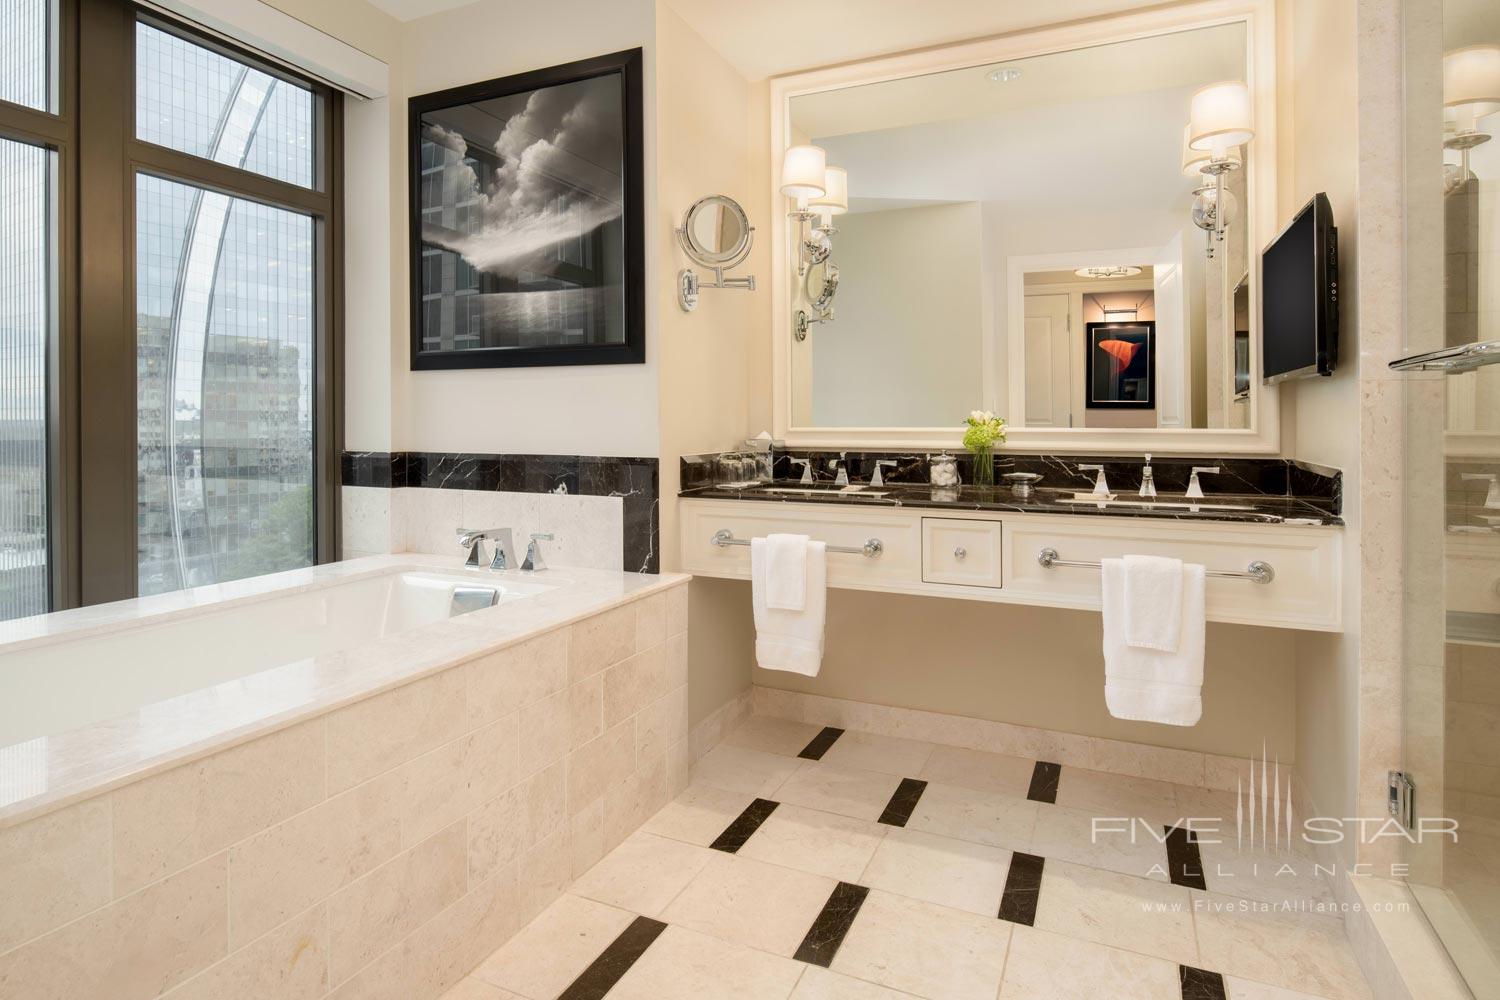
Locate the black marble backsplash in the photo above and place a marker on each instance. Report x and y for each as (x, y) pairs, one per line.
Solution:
(636, 480)
(1271, 477)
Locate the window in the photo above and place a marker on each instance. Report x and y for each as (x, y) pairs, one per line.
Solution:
(191, 437)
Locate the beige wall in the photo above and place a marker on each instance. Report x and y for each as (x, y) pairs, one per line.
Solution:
(1040, 667)
(703, 148)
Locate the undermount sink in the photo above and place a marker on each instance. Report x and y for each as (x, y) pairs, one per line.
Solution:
(1174, 503)
(854, 492)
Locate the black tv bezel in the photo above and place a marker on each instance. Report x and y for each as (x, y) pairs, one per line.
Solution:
(1326, 317)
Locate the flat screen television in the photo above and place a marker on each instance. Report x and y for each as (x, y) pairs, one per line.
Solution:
(1299, 296)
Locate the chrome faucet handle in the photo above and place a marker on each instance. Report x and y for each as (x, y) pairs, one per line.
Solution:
(1101, 485)
(505, 549)
(1148, 480)
(533, 561)
(876, 479)
(806, 464)
(841, 466)
(1194, 487)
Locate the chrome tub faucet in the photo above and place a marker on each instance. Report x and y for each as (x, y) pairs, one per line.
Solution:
(504, 542)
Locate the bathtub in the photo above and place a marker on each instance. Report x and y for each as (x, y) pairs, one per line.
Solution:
(104, 672)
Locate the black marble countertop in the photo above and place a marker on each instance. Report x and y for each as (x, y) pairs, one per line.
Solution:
(1263, 509)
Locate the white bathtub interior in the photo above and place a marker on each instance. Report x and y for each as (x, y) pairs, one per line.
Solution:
(65, 683)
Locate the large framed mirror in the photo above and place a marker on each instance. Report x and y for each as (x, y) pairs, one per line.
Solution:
(1026, 229)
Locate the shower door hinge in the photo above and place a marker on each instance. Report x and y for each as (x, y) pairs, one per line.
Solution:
(1401, 798)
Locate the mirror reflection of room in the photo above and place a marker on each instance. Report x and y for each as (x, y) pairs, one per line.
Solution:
(996, 214)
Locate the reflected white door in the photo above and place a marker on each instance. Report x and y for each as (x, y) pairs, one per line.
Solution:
(1048, 361)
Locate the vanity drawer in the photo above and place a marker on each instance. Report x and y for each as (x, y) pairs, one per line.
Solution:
(963, 552)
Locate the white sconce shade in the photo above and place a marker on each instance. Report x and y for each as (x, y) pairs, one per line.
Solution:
(1220, 118)
(1193, 160)
(835, 198)
(804, 172)
(1471, 80)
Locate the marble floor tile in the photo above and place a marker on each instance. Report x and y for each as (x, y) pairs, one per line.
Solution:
(685, 965)
(813, 841)
(768, 735)
(993, 818)
(921, 948)
(470, 988)
(644, 873)
(737, 769)
(549, 953)
(762, 906)
(1117, 795)
(956, 873)
(1244, 989)
(1046, 966)
(849, 791)
(990, 772)
(699, 814)
(1272, 877)
(1071, 835)
(1256, 941)
(888, 754)
(1121, 911)
(820, 984)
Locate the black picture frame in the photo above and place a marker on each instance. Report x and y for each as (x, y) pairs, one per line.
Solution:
(628, 66)
(1115, 383)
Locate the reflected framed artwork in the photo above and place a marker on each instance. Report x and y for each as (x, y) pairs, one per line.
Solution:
(527, 221)
(1121, 365)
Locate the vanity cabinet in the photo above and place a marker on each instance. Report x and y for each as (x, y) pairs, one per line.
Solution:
(999, 561)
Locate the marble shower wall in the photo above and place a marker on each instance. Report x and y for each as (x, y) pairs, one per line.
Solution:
(602, 510)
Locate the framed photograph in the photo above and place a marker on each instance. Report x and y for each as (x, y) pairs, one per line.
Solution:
(527, 219)
(1121, 365)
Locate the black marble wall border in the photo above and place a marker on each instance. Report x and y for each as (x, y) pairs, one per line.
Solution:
(1277, 477)
(635, 480)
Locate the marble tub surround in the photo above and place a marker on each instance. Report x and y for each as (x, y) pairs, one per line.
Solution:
(42, 774)
(786, 870)
(609, 505)
(379, 847)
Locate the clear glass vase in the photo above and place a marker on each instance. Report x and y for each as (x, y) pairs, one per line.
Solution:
(984, 465)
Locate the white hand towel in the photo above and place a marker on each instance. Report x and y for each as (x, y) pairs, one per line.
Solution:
(1150, 685)
(1153, 602)
(786, 572)
(790, 640)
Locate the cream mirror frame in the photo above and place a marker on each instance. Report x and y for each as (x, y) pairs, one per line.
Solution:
(1262, 436)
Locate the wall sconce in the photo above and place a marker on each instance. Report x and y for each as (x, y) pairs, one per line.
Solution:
(1471, 91)
(821, 193)
(1219, 122)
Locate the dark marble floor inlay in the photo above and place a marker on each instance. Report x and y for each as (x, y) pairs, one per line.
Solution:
(745, 824)
(820, 743)
(1200, 984)
(827, 932)
(1044, 778)
(903, 801)
(1023, 888)
(603, 972)
(1184, 862)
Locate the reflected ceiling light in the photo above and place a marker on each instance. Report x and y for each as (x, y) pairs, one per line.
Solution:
(1108, 271)
(1220, 119)
(1121, 315)
(1471, 91)
(1003, 74)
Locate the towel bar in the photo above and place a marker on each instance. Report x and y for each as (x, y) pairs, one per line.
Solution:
(872, 548)
(1258, 571)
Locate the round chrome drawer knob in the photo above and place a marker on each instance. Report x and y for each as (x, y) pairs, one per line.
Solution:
(960, 552)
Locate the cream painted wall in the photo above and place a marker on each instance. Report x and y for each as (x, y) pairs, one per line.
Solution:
(1041, 667)
(904, 346)
(703, 105)
(1318, 138)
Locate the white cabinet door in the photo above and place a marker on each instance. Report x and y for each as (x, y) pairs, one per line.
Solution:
(1048, 364)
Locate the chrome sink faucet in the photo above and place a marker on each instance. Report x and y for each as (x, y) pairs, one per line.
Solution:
(1148, 480)
(503, 539)
(841, 466)
(876, 479)
(534, 561)
(1101, 485)
(806, 464)
(1195, 488)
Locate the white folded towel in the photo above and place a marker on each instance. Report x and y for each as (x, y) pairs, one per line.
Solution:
(1151, 685)
(1153, 602)
(786, 572)
(790, 640)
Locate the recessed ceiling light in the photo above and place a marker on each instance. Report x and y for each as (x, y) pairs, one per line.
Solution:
(1108, 271)
(1004, 74)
